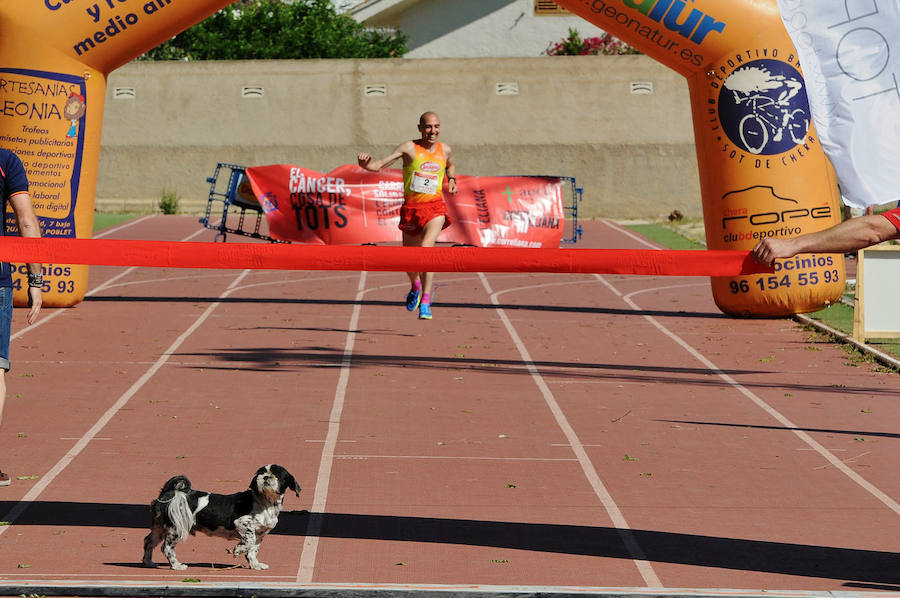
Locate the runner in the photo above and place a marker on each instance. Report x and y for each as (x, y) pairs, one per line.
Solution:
(424, 213)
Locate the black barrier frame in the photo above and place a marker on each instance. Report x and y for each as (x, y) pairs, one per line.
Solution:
(230, 212)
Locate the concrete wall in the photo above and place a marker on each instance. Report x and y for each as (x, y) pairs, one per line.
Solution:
(573, 116)
(474, 28)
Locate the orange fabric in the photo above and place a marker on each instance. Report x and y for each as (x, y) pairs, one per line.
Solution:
(413, 218)
(423, 178)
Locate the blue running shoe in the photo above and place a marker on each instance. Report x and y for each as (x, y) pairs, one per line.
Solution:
(425, 311)
(413, 299)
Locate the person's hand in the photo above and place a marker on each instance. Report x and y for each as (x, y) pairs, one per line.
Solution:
(35, 300)
(768, 250)
(363, 160)
(451, 186)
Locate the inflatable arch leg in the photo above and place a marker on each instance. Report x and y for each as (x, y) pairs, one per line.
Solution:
(54, 59)
(762, 170)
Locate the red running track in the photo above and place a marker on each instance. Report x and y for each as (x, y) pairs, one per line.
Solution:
(546, 430)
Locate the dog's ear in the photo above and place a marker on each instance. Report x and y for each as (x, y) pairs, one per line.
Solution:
(286, 479)
(292, 483)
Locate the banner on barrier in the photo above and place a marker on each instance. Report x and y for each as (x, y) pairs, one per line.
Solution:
(351, 206)
(852, 82)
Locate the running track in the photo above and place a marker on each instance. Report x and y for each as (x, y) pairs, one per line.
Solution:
(543, 430)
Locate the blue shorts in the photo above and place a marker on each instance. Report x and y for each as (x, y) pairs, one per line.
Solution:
(6, 311)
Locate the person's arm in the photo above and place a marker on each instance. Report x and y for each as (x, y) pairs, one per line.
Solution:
(366, 161)
(29, 226)
(849, 235)
(451, 170)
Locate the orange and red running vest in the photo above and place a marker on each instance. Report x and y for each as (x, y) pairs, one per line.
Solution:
(423, 178)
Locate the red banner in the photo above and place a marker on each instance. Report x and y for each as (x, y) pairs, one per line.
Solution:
(351, 206)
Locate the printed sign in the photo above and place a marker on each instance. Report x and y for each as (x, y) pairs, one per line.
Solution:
(45, 111)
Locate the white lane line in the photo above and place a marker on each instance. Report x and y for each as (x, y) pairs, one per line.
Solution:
(59, 311)
(116, 229)
(624, 530)
(774, 413)
(447, 457)
(83, 442)
(307, 563)
(247, 286)
(621, 229)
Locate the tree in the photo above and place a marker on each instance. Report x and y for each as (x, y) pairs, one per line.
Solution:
(273, 29)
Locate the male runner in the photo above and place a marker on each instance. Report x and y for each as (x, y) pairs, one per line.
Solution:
(424, 213)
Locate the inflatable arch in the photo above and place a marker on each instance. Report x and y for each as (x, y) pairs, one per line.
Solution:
(762, 169)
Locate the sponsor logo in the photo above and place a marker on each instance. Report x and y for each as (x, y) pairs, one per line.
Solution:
(680, 24)
(763, 107)
(758, 109)
(761, 104)
(430, 167)
(695, 25)
(523, 220)
(482, 208)
(783, 218)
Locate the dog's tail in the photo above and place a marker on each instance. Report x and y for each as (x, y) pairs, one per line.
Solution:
(180, 514)
(174, 495)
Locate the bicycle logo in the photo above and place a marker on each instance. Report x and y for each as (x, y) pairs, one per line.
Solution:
(762, 108)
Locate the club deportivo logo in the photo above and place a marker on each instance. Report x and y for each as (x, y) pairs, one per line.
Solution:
(763, 107)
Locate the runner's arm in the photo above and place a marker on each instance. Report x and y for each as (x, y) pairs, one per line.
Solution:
(451, 170)
(366, 161)
(29, 226)
(849, 235)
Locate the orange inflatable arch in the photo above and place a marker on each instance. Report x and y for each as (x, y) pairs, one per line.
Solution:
(762, 170)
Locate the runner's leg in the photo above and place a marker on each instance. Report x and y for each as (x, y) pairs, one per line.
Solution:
(429, 237)
(413, 240)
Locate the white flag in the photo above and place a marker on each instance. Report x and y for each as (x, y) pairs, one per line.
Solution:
(850, 54)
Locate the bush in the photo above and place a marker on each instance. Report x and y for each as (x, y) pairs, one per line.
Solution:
(573, 45)
(168, 203)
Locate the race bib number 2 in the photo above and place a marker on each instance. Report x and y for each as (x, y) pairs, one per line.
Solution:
(422, 182)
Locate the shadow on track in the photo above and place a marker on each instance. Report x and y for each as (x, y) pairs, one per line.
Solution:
(332, 302)
(280, 360)
(863, 568)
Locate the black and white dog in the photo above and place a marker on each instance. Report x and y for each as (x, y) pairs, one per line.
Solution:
(246, 516)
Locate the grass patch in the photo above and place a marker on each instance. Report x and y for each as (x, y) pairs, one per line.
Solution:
(103, 220)
(665, 236)
(838, 316)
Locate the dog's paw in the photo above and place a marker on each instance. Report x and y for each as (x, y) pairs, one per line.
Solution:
(259, 566)
(179, 566)
(149, 564)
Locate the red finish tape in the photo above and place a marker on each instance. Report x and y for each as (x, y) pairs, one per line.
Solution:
(259, 256)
